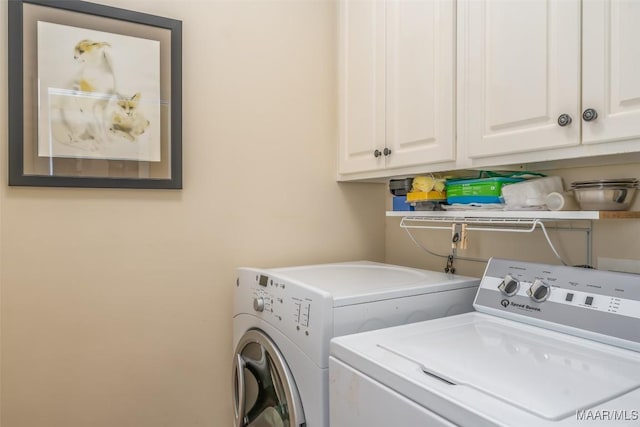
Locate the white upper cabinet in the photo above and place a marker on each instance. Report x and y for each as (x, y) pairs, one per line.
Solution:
(434, 85)
(611, 70)
(521, 70)
(361, 85)
(546, 80)
(397, 85)
(420, 84)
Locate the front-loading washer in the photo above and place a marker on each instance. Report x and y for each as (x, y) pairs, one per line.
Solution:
(284, 318)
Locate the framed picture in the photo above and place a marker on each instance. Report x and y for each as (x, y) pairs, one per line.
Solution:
(95, 96)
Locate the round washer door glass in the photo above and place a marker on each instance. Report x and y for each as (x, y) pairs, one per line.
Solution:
(265, 394)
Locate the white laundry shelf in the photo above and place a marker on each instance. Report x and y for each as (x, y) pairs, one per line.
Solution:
(527, 215)
(507, 221)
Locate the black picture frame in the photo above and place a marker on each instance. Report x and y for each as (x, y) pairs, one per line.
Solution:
(28, 167)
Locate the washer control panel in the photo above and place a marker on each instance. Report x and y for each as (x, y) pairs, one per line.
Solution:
(598, 303)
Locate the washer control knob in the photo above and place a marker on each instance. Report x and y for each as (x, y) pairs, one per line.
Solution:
(539, 291)
(509, 286)
(258, 304)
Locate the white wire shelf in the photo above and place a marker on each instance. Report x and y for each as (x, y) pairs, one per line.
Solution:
(472, 215)
(508, 221)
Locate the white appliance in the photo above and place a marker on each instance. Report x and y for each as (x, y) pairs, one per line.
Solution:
(284, 318)
(546, 346)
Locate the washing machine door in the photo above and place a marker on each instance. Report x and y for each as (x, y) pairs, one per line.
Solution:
(265, 394)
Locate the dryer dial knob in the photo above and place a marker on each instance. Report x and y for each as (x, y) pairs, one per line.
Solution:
(258, 304)
(509, 286)
(539, 291)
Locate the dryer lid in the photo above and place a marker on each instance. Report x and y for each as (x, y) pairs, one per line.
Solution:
(546, 373)
(363, 281)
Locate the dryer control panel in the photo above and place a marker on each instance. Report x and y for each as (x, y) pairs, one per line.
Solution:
(600, 305)
(272, 298)
(303, 314)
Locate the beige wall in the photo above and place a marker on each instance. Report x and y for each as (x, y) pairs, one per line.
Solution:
(611, 238)
(116, 304)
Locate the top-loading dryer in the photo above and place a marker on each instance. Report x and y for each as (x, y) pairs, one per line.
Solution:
(284, 319)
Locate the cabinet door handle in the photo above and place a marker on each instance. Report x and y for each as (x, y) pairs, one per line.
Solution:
(377, 153)
(564, 120)
(386, 151)
(589, 115)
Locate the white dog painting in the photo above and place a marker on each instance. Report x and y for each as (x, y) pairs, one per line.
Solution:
(99, 94)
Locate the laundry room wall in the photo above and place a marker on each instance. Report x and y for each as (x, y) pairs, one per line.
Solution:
(116, 304)
(611, 238)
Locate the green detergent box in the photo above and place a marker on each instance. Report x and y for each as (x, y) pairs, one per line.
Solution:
(483, 190)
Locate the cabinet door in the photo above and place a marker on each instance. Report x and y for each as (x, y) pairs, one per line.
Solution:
(361, 33)
(611, 69)
(420, 84)
(521, 71)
